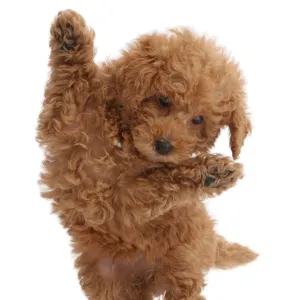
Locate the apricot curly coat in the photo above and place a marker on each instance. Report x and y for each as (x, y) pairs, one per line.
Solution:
(136, 217)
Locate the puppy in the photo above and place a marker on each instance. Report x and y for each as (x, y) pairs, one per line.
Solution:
(127, 163)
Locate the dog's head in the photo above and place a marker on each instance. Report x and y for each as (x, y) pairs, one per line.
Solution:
(176, 92)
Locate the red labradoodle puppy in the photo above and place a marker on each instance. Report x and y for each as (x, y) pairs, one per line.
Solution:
(127, 164)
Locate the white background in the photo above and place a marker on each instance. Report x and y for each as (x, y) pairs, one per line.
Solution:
(262, 211)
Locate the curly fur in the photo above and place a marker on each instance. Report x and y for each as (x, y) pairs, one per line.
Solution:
(135, 217)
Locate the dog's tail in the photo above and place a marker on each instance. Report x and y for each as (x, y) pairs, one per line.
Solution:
(230, 255)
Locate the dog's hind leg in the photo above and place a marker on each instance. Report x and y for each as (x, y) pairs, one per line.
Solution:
(230, 255)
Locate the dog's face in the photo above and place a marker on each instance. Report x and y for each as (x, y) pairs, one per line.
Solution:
(169, 127)
(177, 92)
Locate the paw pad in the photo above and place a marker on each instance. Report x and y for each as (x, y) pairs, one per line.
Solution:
(67, 29)
(66, 37)
(209, 180)
(222, 174)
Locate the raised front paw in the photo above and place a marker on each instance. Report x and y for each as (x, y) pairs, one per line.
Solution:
(222, 173)
(69, 32)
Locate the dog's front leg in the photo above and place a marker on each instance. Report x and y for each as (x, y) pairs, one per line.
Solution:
(146, 196)
(72, 71)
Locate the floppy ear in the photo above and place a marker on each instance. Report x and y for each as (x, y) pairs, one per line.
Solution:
(239, 126)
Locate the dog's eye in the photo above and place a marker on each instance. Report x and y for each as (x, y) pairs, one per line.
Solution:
(164, 102)
(198, 120)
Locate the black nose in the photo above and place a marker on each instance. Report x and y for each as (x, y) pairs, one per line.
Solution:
(162, 146)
